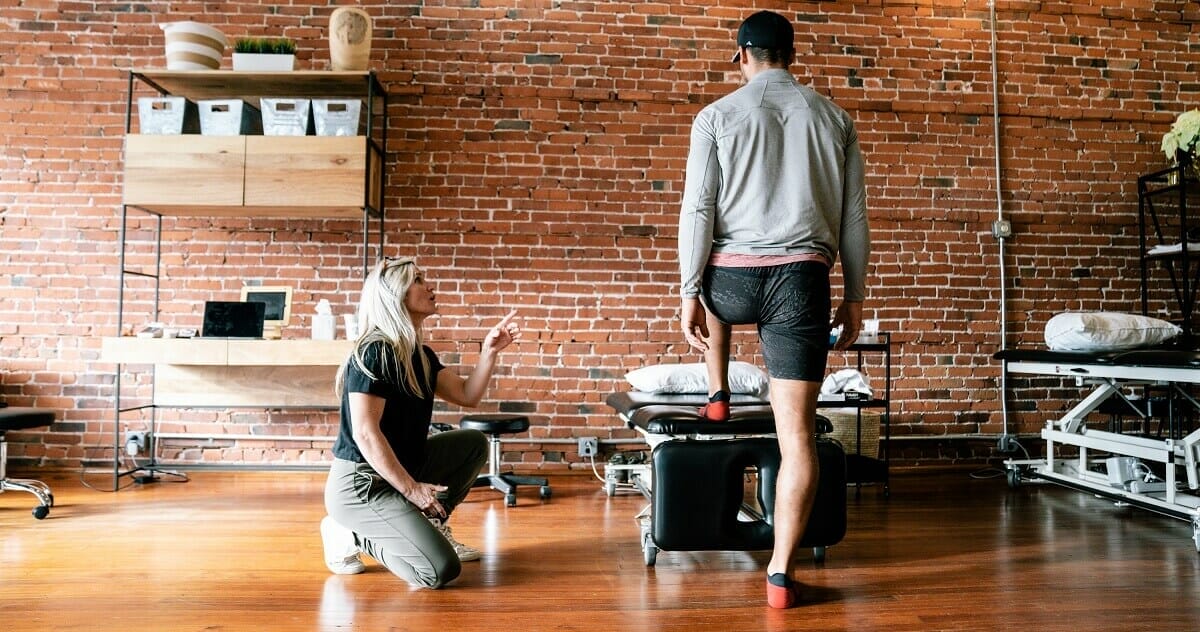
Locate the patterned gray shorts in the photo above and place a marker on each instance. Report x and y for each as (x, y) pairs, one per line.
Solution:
(790, 304)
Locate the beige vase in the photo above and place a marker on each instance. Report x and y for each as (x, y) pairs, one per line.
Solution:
(349, 39)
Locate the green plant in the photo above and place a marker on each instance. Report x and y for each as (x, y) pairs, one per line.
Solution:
(265, 45)
(1184, 136)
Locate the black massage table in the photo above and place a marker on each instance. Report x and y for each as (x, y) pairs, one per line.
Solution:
(1104, 456)
(695, 480)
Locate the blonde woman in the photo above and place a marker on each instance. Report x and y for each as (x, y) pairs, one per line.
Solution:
(392, 486)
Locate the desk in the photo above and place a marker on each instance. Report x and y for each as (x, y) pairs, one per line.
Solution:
(202, 373)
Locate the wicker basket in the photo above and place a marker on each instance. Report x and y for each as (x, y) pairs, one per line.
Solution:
(845, 431)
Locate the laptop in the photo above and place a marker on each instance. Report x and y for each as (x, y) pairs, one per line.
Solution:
(233, 319)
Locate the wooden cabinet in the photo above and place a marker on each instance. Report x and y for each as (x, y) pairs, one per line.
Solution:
(267, 176)
(235, 373)
(196, 172)
(259, 176)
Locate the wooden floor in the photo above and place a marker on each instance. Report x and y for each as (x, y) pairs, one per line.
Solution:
(241, 551)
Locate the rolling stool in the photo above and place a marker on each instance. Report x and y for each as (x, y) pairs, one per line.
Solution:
(494, 425)
(20, 418)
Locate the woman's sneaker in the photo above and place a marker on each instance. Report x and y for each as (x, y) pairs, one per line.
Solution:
(465, 553)
(341, 552)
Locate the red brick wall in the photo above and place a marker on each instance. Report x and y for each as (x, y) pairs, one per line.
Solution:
(536, 158)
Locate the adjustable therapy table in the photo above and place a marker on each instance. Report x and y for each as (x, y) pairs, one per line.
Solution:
(1108, 373)
(695, 479)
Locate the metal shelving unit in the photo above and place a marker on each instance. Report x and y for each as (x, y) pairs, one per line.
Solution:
(249, 87)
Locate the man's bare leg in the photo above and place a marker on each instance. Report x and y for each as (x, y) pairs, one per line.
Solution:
(795, 405)
(716, 362)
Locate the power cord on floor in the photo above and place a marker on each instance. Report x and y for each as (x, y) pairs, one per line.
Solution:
(172, 477)
(995, 472)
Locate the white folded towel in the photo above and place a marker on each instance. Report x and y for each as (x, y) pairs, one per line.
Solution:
(846, 381)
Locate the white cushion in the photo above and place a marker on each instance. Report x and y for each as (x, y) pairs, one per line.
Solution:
(693, 378)
(1106, 331)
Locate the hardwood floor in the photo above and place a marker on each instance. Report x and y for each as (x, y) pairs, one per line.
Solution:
(241, 551)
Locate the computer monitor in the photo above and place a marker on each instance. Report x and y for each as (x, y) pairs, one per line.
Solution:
(278, 301)
(232, 319)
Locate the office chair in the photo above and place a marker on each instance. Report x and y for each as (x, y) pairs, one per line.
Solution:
(18, 418)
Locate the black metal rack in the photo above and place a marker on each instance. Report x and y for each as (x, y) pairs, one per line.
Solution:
(1167, 235)
(861, 468)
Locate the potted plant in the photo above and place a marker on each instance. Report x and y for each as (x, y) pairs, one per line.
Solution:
(1181, 143)
(264, 53)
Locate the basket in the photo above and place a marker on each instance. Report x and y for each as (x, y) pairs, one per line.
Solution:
(336, 117)
(845, 422)
(165, 115)
(285, 117)
(226, 117)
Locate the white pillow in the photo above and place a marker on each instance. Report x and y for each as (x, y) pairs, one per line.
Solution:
(693, 378)
(1106, 331)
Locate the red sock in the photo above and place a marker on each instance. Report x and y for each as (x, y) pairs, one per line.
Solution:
(717, 408)
(782, 592)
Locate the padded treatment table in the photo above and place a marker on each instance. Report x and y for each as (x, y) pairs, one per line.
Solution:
(1110, 375)
(695, 480)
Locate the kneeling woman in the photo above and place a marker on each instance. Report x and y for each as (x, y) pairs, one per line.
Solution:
(392, 486)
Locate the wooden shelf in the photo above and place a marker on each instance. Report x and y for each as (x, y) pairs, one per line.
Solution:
(229, 84)
(220, 352)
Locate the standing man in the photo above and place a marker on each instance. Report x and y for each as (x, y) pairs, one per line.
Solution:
(774, 194)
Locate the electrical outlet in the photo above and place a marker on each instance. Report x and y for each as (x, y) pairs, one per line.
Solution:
(1001, 229)
(588, 446)
(136, 442)
(1006, 444)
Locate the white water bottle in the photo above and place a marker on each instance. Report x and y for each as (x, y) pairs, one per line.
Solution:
(323, 323)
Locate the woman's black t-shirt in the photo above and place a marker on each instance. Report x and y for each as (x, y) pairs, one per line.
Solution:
(406, 417)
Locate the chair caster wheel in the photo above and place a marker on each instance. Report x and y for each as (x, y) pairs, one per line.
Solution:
(41, 511)
(544, 492)
(510, 500)
(649, 550)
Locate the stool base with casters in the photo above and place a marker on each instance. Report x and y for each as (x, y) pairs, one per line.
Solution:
(494, 425)
(13, 418)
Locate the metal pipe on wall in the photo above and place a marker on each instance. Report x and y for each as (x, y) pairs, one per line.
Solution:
(1002, 230)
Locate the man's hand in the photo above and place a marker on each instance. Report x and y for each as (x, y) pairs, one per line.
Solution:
(849, 316)
(694, 321)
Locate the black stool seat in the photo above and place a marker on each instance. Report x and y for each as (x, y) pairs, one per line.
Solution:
(493, 425)
(22, 418)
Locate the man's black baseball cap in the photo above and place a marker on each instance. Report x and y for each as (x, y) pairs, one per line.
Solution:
(765, 29)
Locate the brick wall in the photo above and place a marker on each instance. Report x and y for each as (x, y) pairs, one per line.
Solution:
(537, 154)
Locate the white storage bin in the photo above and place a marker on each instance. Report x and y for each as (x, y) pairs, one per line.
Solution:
(226, 117)
(336, 117)
(165, 115)
(285, 117)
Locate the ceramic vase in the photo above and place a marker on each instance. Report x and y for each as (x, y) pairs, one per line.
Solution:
(349, 39)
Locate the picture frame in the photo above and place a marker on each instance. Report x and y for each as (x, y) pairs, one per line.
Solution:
(278, 301)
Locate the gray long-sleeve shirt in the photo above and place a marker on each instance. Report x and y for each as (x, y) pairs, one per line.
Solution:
(774, 169)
